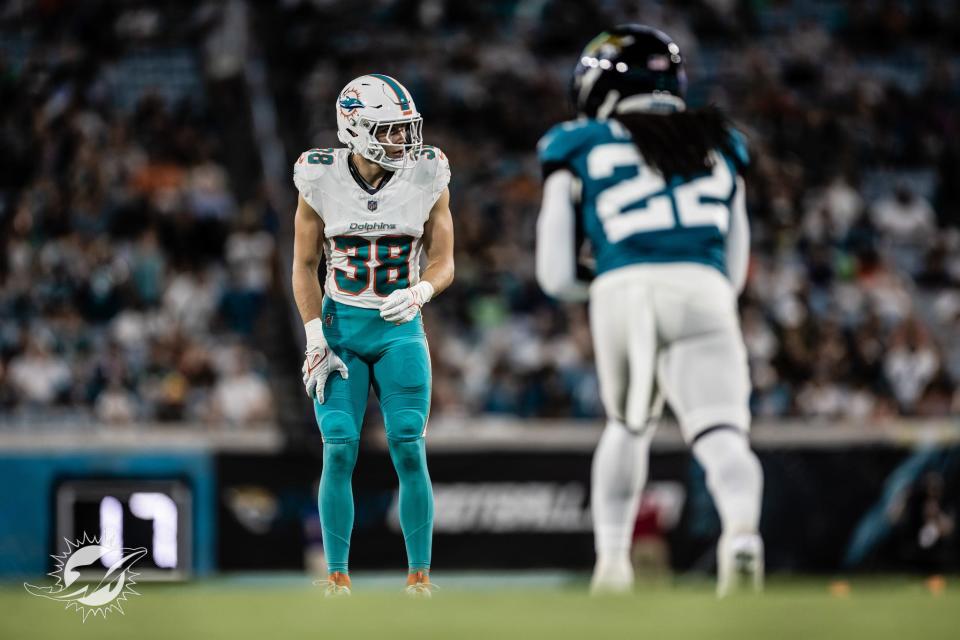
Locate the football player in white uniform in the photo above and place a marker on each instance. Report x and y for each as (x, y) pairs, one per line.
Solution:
(372, 208)
(658, 191)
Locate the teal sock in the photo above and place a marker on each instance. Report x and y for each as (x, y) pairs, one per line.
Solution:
(336, 502)
(416, 500)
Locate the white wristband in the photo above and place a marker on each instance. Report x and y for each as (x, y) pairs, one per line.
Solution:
(315, 339)
(425, 289)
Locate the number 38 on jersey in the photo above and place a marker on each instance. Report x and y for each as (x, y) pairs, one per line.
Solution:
(372, 236)
(383, 263)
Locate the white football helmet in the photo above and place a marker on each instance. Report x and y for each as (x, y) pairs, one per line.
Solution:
(376, 117)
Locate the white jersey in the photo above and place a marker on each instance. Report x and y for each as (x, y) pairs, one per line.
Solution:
(373, 237)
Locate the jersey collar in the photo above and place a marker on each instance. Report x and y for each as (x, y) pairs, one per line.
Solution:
(363, 184)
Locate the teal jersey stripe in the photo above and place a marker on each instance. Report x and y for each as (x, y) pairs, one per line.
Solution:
(404, 102)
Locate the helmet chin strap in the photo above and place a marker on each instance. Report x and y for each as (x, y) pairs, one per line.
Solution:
(659, 102)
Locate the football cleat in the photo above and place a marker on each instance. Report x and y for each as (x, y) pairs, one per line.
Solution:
(739, 565)
(419, 585)
(337, 585)
(612, 577)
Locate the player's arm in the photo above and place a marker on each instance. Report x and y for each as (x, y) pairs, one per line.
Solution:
(557, 240)
(307, 248)
(402, 305)
(438, 243)
(738, 239)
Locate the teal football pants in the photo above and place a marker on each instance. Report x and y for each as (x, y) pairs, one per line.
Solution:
(393, 359)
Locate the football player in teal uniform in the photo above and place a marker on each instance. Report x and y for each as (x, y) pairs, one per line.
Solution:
(372, 208)
(655, 191)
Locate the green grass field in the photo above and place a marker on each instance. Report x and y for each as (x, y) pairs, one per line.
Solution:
(486, 606)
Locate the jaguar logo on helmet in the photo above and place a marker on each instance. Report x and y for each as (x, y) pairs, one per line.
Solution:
(630, 67)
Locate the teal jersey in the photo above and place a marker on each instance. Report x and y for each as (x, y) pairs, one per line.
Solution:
(629, 212)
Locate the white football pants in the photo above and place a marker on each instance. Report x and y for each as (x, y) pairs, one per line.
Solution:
(670, 329)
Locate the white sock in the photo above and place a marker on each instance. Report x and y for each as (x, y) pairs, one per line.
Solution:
(734, 478)
(618, 474)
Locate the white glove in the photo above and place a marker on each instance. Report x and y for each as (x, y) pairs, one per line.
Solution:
(403, 304)
(320, 361)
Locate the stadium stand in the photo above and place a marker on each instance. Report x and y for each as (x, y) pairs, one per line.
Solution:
(852, 305)
(132, 274)
(138, 261)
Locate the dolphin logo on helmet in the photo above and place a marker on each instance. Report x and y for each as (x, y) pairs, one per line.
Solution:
(350, 103)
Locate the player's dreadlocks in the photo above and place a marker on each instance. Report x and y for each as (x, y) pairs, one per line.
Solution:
(678, 144)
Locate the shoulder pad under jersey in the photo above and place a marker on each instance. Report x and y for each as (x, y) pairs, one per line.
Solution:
(309, 170)
(432, 171)
(563, 141)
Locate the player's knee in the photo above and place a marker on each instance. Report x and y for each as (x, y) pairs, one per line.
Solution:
(721, 440)
(339, 457)
(408, 456)
(724, 452)
(340, 443)
(337, 426)
(407, 424)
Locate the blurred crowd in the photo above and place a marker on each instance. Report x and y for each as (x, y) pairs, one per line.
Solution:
(133, 274)
(852, 308)
(131, 278)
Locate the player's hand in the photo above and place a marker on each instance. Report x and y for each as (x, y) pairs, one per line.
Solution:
(403, 304)
(318, 364)
(320, 361)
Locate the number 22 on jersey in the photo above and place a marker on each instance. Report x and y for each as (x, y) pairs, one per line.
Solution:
(646, 203)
